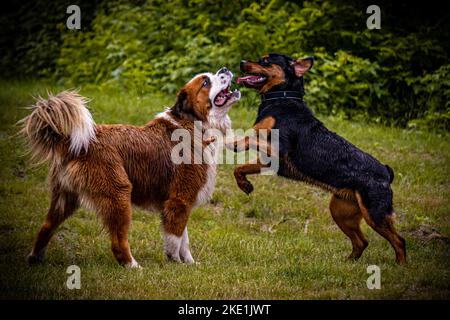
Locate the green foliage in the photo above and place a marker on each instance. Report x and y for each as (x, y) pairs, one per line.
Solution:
(30, 35)
(395, 75)
(344, 83)
(433, 91)
(140, 47)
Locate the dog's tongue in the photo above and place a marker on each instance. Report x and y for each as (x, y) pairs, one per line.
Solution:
(246, 78)
(220, 100)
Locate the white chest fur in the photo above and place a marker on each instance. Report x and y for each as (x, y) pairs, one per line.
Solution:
(218, 120)
(207, 190)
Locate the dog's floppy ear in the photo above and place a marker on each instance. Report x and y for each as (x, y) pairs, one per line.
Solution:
(185, 109)
(182, 107)
(301, 66)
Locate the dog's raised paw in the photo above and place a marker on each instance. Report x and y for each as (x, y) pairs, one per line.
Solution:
(246, 186)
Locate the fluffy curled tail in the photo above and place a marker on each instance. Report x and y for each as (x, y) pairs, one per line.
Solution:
(61, 120)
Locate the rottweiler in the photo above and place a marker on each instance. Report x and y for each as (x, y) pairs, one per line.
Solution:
(308, 151)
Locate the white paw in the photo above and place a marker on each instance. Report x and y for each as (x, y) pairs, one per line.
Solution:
(133, 264)
(185, 253)
(186, 256)
(172, 246)
(173, 257)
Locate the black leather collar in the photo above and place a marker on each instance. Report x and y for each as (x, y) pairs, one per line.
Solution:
(282, 95)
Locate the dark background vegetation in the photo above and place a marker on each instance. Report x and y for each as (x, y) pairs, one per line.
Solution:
(398, 75)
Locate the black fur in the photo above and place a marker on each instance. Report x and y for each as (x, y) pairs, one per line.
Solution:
(321, 154)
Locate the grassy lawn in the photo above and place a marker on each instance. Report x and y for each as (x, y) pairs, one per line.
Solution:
(278, 243)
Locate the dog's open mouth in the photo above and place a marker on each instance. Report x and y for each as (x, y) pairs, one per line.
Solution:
(226, 95)
(251, 79)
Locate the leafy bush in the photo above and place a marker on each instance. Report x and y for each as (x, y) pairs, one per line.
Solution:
(433, 91)
(344, 83)
(397, 75)
(30, 35)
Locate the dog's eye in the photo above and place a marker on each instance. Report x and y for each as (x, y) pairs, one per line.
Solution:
(206, 82)
(265, 62)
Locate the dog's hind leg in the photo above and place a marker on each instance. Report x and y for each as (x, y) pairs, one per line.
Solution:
(63, 205)
(386, 229)
(116, 214)
(348, 217)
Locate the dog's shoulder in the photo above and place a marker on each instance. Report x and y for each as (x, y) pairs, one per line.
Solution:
(288, 114)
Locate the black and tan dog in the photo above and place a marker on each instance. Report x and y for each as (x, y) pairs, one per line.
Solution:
(308, 151)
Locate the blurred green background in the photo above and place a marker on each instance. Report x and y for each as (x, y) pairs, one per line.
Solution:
(398, 75)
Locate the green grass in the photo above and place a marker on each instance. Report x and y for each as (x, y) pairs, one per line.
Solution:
(249, 247)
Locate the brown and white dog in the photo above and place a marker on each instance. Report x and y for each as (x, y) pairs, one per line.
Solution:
(107, 168)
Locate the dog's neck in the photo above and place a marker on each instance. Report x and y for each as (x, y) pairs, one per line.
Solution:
(285, 94)
(218, 119)
(274, 100)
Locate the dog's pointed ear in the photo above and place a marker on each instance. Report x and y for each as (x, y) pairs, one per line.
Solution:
(301, 66)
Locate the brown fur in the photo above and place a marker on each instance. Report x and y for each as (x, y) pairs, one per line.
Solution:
(254, 142)
(273, 73)
(124, 164)
(265, 124)
(241, 172)
(195, 99)
(347, 215)
(386, 230)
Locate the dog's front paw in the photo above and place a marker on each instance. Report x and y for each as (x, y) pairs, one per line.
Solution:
(133, 264)
(173, 257)
(186, 256)
(188, 260)
(245, 186)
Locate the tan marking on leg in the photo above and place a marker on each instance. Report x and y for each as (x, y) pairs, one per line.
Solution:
(347, 216)
(386, 230)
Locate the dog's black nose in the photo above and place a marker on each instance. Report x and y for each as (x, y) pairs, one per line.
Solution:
(242, 63)
(223, 70)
